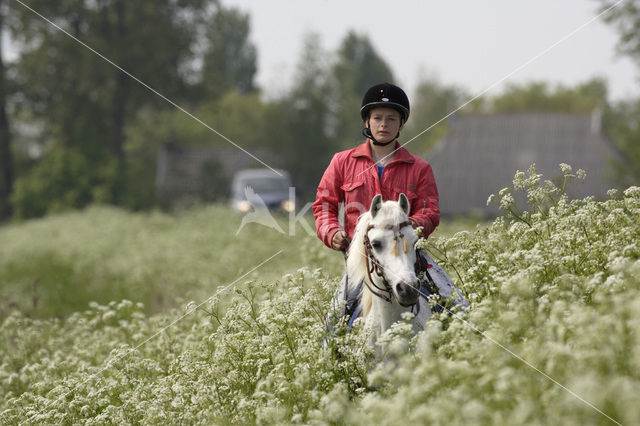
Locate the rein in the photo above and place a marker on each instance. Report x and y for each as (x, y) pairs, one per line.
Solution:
(374, 266)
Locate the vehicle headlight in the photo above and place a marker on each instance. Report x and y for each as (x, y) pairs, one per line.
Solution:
(288, 205)
(243, 206)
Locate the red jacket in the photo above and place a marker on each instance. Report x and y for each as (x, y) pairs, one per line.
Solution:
(352, 179)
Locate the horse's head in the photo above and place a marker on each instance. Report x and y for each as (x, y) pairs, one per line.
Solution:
(384, 238)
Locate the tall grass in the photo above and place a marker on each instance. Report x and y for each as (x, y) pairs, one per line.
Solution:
(57, 265)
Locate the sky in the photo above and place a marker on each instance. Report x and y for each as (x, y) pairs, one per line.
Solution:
(475, 45)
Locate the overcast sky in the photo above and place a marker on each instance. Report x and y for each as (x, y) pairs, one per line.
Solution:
(470, 43)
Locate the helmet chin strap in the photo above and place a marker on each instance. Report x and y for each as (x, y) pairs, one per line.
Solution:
(367, 132)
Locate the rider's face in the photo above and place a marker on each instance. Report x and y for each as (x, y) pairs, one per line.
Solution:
(385, 123)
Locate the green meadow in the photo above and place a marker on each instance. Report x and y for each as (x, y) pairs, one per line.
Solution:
(57, 265)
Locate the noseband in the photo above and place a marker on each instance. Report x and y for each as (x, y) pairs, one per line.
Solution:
(373, 266)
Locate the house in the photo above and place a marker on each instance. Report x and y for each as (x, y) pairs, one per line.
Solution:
(481, 153)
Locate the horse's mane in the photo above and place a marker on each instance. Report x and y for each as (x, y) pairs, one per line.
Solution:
(390, 213)
(356, 260)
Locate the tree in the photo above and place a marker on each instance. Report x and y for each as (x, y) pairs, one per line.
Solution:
(240, 117)
(622, 122)
(320, 115)
(358, 67)
(541, 97)
(626, 19)
(431, 102)
(230, 60)
(622, 125)
(299, 124)
(85, 102)
(79, 91)
(6, 160)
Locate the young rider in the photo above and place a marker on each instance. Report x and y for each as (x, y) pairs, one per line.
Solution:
(377, 166)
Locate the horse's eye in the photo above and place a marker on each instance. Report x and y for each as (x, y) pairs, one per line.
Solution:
(376, 244)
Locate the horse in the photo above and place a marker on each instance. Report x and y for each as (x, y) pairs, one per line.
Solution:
(383, 257)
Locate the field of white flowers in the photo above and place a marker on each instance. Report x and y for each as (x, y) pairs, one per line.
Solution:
(551, 336)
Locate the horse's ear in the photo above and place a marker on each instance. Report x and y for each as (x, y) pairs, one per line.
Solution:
(404, 203)
(375, 205)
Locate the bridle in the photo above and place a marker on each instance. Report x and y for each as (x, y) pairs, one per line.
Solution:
(373, 266)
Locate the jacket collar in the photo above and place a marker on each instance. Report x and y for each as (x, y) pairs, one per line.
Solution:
(401, 155)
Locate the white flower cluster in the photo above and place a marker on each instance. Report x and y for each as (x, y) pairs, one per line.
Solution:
(265, 356)
(558, 284)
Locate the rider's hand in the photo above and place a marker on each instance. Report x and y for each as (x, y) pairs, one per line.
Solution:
(340, 241)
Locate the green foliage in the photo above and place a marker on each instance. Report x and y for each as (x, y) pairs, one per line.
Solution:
(555, 283)
(240, 117)
(82, 103)
(358, 66)
(621, 119)
(626, 18)
(203, 60)
(299, 123)
(6, 154)
(431, 102)
(540, 97)
(622, 125)
(79, 102)
(215, 185)
(230, 60)
(63, 180)
(320, 115)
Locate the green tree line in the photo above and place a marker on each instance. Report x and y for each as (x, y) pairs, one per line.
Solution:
(76, 130)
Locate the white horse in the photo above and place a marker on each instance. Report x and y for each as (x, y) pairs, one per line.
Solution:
(382, 255)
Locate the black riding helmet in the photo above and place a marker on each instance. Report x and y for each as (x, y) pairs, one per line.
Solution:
(384, 95)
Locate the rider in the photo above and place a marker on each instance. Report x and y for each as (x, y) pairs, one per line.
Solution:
(377, 166)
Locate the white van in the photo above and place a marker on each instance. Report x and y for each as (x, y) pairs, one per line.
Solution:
(261, 186)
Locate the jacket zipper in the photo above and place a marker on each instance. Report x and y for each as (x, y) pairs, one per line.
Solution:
(424, 205)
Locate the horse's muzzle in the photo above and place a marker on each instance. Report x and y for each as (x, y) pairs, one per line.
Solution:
(406, 294)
